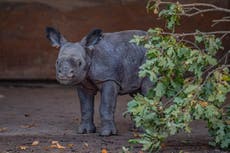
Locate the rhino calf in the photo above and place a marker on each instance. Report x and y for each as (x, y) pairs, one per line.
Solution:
(104, 62)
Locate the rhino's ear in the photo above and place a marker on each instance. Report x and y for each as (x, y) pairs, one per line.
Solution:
(55, 37)
(93, 38)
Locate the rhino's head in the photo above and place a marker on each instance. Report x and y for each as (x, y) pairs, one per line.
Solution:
(73, 61)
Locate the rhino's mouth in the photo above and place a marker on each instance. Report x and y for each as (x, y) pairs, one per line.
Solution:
(72, 79)
(67, 81)
(64, 81)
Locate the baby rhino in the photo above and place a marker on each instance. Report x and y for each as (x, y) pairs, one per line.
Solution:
(104, 62)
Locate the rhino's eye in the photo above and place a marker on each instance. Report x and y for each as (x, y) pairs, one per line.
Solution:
(57, 62)
(79, 63)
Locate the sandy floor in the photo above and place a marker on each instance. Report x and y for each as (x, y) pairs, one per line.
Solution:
(46, 113)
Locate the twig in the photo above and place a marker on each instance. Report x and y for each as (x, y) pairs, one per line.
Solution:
(226, 58)
(193, 79)
(195, 33)
(209, 74)
(194, 6)
(193, 9)
(224, 19)
(198, 12)
(221, 20)
(191, 43)
(222, 37)
(207, 5)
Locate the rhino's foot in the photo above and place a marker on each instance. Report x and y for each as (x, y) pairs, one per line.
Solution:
(108, 129)
(86, 128)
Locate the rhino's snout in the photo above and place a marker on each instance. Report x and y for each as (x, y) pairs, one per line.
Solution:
(70, 70)
(65, 69)
(68, 74)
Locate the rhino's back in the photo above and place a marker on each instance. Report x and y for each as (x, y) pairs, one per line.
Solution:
(115, 58)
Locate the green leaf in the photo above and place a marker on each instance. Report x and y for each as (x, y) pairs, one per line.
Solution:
(220, 98)
(225, 143)
(191, 88)
(160, 89)
(199, 38)
(198, 112)
(211, 60)
(178, 100)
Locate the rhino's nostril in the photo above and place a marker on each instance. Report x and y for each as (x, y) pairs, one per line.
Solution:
(71, 74)
(71, 71)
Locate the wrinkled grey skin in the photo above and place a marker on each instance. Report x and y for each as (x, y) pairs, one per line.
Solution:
(104, 62)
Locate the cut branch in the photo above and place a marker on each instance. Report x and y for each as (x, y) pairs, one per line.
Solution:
(224, 19)
(195, 33)
(198, 12)
(214, 7)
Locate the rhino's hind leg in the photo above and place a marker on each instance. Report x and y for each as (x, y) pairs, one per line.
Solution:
(87, 112)
(109, 91)
(146, 86)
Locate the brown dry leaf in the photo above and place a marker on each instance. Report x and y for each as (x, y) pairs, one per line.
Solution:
(23, 147)
(228, 122)
(55, 144)
(136, 135)
(163, 145)
(155, 11)
(35, 143)
(70, 145)
(86, 145)
(2, 96)
(27, 126)
(203, 103)
(104, 151)
(46, 148)
(3, 129)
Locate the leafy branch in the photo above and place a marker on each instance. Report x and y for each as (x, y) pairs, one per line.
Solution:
(177, 10)
(195, 33)
(188, 9)
(190, 83)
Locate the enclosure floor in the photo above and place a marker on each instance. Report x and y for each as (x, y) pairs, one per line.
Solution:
(47, 113)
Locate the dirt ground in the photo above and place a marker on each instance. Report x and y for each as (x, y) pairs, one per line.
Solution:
(42, 114)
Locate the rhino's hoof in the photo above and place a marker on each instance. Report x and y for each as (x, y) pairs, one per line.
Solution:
(108, 130)
(86, 128)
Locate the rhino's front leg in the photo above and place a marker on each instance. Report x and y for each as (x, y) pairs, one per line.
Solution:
(87, 111)
(109, 92)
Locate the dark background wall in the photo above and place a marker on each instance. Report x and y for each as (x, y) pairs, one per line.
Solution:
(25, 52)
